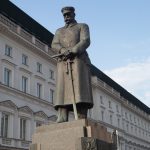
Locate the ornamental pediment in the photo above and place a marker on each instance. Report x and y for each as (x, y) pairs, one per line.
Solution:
(41, 114)
(25, 109)
(8, 104)
(52, 118)
(25, 70)
(8, 62)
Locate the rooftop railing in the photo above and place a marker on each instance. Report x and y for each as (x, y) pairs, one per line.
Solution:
(108, 88)
(25, 34)
(117, 94)
(12, 26)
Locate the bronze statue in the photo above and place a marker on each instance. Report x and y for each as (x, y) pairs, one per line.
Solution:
(73, 90)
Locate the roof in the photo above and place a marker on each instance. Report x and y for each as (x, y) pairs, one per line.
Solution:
(15, 14)
(29, 24)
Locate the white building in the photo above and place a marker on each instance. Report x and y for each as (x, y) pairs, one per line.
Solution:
(118, 109)
(27, 87)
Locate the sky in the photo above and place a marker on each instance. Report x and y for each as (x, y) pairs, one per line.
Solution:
(120, 36)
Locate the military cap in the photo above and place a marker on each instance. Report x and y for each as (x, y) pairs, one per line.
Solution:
(67, 9)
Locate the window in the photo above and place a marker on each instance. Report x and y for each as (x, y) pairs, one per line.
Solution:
(118, 122)
(7, 74)
(52, 74)
(123, 125)
(130, 117)
(101, 99)
(127, 126)
(8, 51)
(110, 104)
(117, 108)
(134, 119)
(126, 116)
(135, 130)
(131, 128)
(39, 90)
(145, 126)
(102, 115)
(138, 122)
(141, 123)
(51, 95)
(22, 128)
(24, 59)
(24, 84)
(111, 121)
(39, 67)
(139, 131)
(4, 125)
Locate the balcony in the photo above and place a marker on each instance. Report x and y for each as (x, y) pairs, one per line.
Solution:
(14, 143)
(6, 141)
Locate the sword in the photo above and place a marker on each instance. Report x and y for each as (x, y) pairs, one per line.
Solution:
(73, 91)
(69, 62)
(57, 56)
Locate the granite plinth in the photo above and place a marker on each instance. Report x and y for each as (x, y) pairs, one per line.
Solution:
(67, 136)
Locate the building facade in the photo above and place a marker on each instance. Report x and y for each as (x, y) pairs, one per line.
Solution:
(28, 82)
(116, 112)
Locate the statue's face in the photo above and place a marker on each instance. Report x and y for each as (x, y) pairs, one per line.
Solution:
(69, 17)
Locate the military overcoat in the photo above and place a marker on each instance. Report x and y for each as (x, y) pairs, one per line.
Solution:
(75, 38)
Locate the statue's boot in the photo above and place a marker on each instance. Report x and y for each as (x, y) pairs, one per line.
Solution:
(62, 115)
(82, 113)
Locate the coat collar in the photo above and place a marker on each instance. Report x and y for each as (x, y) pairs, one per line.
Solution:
(71, 24)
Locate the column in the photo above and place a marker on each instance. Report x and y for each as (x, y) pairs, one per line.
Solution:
(0, 127)
(1, 73)
(28, 130)
(18, 29)
(46, 48)
(10, 126)
(122, 145)
(33, 39)
(33, 127)
(0, 121)
(18, 129)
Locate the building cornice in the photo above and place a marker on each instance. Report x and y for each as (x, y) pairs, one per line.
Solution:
(41, 114)
(25, 70)
(135, 137)
(39, 77)
(28, 96)
(120, 130)
(9, 62)
(15, 32)
(110, 84)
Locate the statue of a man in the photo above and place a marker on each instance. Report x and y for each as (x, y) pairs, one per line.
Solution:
(73, 67)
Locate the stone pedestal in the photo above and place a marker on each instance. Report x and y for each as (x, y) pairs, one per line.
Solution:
(76, 135)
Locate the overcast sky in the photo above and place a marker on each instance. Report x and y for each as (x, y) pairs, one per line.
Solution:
(120, 36)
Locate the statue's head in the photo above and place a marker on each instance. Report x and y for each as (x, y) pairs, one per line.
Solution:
(69, 14)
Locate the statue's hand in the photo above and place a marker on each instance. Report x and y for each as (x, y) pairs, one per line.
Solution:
(67, 55)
